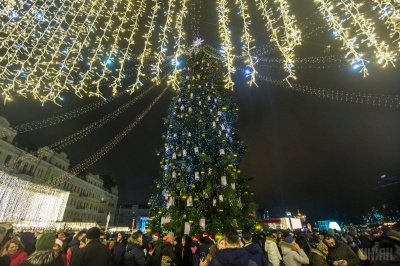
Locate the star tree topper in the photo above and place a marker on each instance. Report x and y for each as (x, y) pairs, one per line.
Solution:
(196, 44)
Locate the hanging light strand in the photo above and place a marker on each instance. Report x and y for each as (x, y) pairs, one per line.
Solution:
(355, 58)
(99, 123)
(138, 13)
(247, 40)
(366, 28)
(114, 48)
(226, 47)
(111, 144)
(163, 42)
(390, 13)
(146, 49)
(179, 45)
(283, 47)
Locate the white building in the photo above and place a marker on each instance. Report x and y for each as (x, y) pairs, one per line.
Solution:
(91, 196)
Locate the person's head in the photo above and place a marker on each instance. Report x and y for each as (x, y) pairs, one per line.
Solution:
(289, 240)
(83, 242)
(93, 233)
(137, 237)
(221, 243)
(231, 239)
(80, 235)
(45, 241)
(247, 237)
(119, 236)
(279, 234)
(58, 246)
(330, 240)
(321, 237)
(170, 238)
(13, 246)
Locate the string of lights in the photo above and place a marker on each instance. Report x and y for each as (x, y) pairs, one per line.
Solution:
(114, 49)
(226, 47)
(247, 40)
(380, 100)
(366, 27)
(111, 144)
(285, 48)
(355, 58)
(98, 53)
(100, 122)
(138, 13)
(146, 49)
(179, 44)
(391, 15)
(163, 42)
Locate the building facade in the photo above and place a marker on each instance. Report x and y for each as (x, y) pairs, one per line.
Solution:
(91, 197)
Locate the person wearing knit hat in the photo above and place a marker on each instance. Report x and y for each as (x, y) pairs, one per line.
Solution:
(45, 254)
(58, 246)
(155, 236)
(94, 253)
(318, 255)
(293, 255)
(168, 238)
(196, 238)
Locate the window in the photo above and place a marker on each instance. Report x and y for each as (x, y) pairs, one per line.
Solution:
(7, 160)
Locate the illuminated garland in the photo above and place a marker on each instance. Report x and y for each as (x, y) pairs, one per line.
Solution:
(99, 123)
(114, 49)
(111, 144)
(247, 40)
(391, 14)
(366, 28)
(138, 13)
(163, 42)
(146, 49)
(380, 100)
(341, 33)
(285, 48)
(42, 204)
(226, 47)
(179, 45)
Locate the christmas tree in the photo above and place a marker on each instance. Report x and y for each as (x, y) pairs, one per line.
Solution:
(200, 186)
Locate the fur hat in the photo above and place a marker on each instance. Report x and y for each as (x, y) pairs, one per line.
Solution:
(45, 241)
(289, 239)
(322, 247)
(393, 233)
(93, 233)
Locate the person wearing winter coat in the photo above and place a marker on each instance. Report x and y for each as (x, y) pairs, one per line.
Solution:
(271, 248)
(44, 254)
(134, 255)
(15, 250)
(156, 244)
(28, 240)
(293, 255)
(340, 253)
(118, 250)
(58, 246)
(253, 249)
(231, 252)
(318, 255)
(167, 251)
(94, 253)
(74, 245)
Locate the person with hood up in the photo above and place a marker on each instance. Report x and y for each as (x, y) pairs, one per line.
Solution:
(318, 255)
(118, 250)
(293, 255)
(28, 240)
(271, 249)
(231, 252)
(253, 249)
(340, 253)
(44, 254)
(74, 245)
(134, 255)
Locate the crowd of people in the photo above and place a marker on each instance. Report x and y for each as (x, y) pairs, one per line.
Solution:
(93, 247)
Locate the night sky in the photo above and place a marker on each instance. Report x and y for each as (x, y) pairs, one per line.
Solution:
(305, 152)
